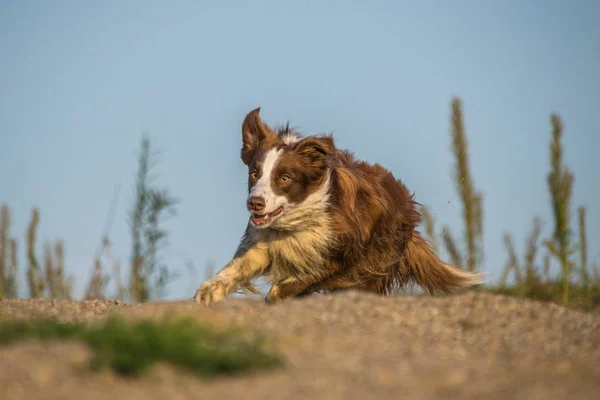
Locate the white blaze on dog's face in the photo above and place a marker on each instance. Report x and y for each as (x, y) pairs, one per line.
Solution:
(263, 203)
(288, 176)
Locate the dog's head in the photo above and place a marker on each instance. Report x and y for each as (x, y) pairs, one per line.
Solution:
(287, 175)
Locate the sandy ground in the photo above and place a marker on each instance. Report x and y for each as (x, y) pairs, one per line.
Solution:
(347, 345)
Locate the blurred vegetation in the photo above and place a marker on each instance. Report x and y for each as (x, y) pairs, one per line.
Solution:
(132, 348)
(560, 183)
(8, 256)
(99, 280)
(35, 278)
(530, 279)
(529, 275)
(149, 276)
(59, 286)
(470, 198)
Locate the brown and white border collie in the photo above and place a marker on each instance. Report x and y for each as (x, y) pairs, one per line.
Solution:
(320, 220)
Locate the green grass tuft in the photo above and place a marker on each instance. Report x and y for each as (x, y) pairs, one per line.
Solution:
(581, 298)
(131, 348)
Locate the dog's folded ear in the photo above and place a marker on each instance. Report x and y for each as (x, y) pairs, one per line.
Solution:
(316, 149)
(254, 131)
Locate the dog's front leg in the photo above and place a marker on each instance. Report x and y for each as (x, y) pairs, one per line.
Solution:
(241, 270)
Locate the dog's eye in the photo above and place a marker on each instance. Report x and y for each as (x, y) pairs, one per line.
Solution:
(286, 178)
(254, 174)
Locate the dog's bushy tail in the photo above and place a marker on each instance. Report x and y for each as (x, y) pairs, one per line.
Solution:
(427, 270)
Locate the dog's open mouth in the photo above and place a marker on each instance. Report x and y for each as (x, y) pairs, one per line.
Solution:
(265, 219)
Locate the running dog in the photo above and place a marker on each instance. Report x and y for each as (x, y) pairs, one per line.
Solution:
(321, 221)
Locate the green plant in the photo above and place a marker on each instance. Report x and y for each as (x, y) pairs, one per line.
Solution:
(429, 224)
(512, 264)
(530, 280)
(148, 276)
(35, 279)
(4, 227)
(97, 285)
(531, 277)
(583, 267)
(11, 286)
(59, 286)
(131, 348)
(8, 257)
(470, 198)
(560, 183)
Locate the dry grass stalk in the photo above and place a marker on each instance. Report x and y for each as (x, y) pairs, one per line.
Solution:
(531, 250)
(512, 264)
(470, 198)
(59, 286)
(452, 248)
(429, 224)
(583, 267)
(148, 278)
(35, 279)
(8, 256)
(10, 291)
(4, 240)
(560, 183)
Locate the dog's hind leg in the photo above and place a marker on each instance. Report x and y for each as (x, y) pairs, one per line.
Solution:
(289, 288)
(296, 288)
(331, 284)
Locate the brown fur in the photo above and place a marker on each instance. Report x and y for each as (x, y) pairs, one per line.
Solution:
(362, 235)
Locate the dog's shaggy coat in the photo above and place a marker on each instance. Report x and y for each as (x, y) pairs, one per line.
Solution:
(323, 221)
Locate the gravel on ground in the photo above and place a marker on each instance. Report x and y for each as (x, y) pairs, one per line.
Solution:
(344, 345)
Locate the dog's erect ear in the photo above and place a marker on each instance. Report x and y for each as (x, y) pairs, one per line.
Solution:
(316, 149)
(254, 131)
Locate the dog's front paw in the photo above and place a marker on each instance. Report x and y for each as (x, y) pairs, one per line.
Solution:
(210, 292)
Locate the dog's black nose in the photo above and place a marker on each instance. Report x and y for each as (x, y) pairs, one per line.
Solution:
(256, 203)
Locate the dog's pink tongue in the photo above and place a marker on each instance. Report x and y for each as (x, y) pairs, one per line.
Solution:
(259, 219)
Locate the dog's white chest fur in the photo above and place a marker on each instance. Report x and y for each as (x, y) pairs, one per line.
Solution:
(295, 255)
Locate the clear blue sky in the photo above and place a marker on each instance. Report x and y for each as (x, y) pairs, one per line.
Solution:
(80, 82)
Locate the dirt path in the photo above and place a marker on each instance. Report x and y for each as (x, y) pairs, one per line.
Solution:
(350, 345)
